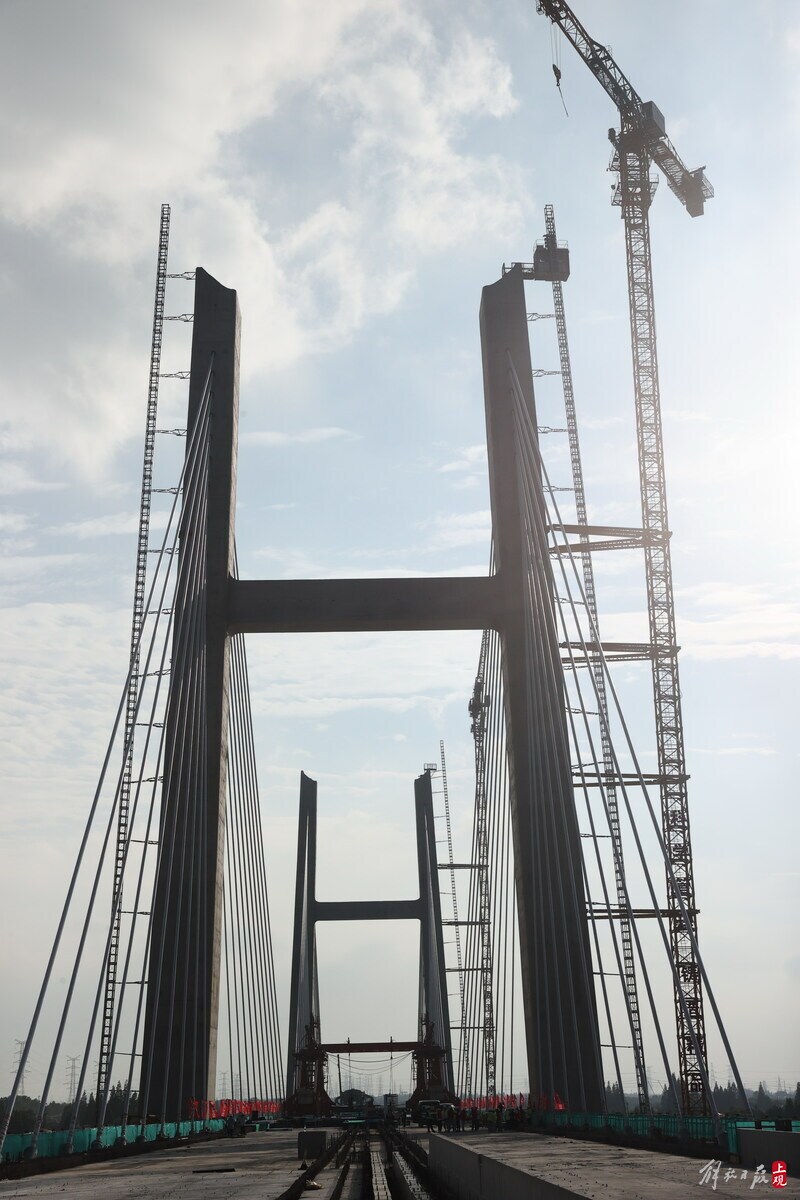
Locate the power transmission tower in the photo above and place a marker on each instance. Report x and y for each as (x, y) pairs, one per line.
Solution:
(19, 1047)
(72, 1076)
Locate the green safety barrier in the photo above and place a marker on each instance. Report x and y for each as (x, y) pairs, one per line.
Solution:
(693, 1128)
(54, 1143)
(641, 1125)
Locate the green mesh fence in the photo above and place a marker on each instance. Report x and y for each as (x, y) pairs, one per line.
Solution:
(693, 1128)
(52, 1144)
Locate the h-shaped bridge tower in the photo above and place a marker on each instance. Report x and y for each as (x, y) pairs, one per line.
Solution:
(179, 1053)
(305, 1088)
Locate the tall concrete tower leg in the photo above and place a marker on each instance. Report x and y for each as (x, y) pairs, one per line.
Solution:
(303, 1001)
(180, 1040)
(555, 957)
(434, 1005)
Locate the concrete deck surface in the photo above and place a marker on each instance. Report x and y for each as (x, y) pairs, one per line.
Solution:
(562, 1167)
(258, 1167)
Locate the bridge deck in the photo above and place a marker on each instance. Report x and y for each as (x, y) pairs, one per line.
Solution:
(482, 1166)
(260, 1166)
(528, 1166)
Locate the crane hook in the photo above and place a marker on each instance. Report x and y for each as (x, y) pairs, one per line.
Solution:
(557, 73)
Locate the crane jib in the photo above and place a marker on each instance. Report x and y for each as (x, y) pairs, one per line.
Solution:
(640, 119)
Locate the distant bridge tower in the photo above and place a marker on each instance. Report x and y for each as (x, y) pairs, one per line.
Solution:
(305, 1088)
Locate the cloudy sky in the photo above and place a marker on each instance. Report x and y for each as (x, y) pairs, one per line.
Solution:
(358, 172)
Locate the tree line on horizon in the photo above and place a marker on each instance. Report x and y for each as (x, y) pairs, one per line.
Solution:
(766, 1105)
(58, 1113)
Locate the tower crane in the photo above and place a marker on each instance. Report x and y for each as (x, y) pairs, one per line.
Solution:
(640, 140)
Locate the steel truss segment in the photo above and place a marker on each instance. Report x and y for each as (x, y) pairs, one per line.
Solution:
(618, 912)
(634, 543)
(619, 531)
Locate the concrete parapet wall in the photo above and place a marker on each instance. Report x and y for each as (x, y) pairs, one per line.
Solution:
(767, 1146)
(473, 1176)
(536, 1167)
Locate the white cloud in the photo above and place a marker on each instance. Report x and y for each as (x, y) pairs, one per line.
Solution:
(448, 531)
(83, 179)
(13, 522)
(293, 564)
(64, 669)
(689, 416)
(74, 156)
(21, 569)
(723, 751)
(409, 110)
(391, 672)
(791, 40)
(468, 470)
(723, 621)
(404, 572)
(301, 438)
(108, 526)
(601, 422)
(14, 478)
(469, 458)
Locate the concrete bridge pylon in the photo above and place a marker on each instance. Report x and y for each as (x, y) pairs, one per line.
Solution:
(179, 1052)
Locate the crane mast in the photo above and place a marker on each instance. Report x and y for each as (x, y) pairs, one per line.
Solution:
(640, 140)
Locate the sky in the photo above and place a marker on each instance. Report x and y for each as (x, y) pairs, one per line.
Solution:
(358, 172)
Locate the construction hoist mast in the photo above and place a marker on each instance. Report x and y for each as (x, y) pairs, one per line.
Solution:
(109, 999)
(596, 665)
(450, 865)
(478, 709)
(453, 891)
(640, 140)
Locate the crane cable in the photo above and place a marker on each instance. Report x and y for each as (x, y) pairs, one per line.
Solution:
(555, 55)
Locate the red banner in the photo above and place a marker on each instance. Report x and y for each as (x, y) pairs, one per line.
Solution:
(211, 1110)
